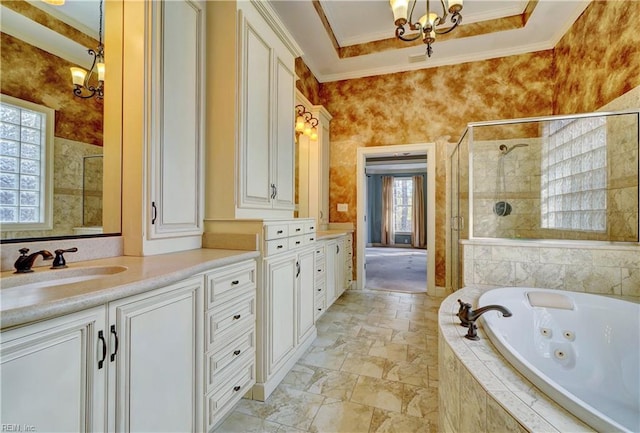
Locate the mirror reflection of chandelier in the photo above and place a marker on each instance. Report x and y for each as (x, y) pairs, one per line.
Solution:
(84, 84)
(426, 25)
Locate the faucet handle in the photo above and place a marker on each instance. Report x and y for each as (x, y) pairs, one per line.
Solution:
(59, 262)
(23, 251)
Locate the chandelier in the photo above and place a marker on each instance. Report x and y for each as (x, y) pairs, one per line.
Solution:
(426, 25)
(305, 123)
(82, 81)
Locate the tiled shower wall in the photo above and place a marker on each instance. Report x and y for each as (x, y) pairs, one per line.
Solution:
(607, 270)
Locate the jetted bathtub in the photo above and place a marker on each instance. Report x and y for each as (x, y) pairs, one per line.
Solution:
(582, 350)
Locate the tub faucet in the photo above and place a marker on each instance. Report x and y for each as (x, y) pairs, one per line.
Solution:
(468, 317)
(25, 262)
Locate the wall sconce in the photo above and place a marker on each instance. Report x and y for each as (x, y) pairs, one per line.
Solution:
(305, 123)
(81, 79)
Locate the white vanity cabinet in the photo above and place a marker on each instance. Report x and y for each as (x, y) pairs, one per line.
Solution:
(335, 270)
(313, 165)
(250, 109)
(230, 338)
(132, 365)
(163, 125)
(156, 359)
(53, 374)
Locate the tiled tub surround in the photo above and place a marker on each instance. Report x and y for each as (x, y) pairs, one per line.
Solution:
(581, 266)
(480, 391)
(21, 306)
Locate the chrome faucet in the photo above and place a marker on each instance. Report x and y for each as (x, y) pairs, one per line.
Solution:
(25, 262)
(468, 316)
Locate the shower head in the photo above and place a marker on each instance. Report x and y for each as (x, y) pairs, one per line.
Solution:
(504, 149)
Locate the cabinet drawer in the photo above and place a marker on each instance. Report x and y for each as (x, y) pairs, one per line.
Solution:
(296, 241)
(296, 229)
(310, 227)
(320, 290)
(222, 363)
(232, 282)
(319, 249)
(230, 318)
(319, 307)
(229, 393)
(276, 231)
(309, 238)
(276, 246)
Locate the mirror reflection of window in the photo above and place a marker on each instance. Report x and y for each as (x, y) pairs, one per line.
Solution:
(26, 146)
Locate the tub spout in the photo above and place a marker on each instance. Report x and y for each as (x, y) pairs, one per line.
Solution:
(468, 316)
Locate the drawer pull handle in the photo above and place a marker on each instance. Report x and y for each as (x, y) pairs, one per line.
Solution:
(236, 352)
(235, 282)
(279, 246)
(312, 239)
(236, 317)
(236, 388)
(279, 232)
(297, 242)
(319, 270)
(319, 309)
(319, 290)
(297, 229)
(312, 228)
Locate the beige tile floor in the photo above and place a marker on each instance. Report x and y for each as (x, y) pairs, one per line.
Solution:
(373, 369)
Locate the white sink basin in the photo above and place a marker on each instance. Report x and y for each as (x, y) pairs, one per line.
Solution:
(57, 277)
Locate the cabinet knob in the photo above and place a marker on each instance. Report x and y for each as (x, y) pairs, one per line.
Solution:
(319, 290)
(236, 317)
(236, 388)
(236, 352)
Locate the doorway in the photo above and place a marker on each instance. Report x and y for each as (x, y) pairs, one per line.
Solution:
(395, 256)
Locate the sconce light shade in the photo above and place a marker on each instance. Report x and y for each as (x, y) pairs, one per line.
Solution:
(300, 124)
(314, 133)
(306, 124)
(307, 129)
(78, 75)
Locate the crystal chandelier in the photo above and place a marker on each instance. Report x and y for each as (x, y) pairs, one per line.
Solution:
(426, 25)
(82, 81)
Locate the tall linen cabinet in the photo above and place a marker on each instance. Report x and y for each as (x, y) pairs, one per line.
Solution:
(250, 177)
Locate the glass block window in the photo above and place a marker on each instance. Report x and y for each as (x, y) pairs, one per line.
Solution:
(402, 201)
(24, 168)
(574, 174)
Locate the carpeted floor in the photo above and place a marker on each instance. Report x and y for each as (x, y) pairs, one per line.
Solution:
(396, 269)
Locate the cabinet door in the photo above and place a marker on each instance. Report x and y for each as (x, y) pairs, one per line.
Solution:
(331, 257)
(256, 189)
(340, 267)
(306, 292)
(283, 140)
(50, 376)
(176, 127)
(280, 286)
(156, 379)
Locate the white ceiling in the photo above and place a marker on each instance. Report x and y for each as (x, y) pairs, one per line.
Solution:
(361, 21)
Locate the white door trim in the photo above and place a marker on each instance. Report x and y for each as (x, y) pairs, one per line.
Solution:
(363, 153)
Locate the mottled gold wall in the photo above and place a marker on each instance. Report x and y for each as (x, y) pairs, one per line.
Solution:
(307, 83)
(34, 75)
(598, 59)
(429, 105)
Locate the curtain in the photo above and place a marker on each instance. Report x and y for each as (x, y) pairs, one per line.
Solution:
(417, 206)
(386, 237)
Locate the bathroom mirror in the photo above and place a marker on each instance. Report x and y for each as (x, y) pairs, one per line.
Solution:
(563, 177)
(76, 188)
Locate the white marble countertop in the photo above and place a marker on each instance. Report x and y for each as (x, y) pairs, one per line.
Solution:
(22, 305)
(329, 234)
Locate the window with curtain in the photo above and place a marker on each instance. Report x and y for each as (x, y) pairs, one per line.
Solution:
(26, 137)
(402, 204)
(574, 174)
